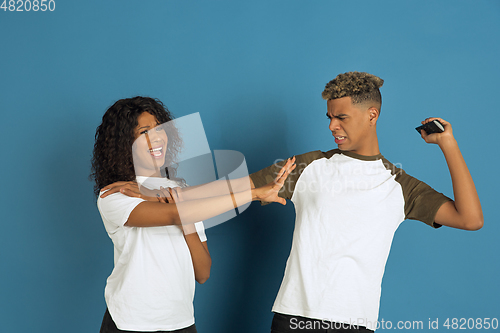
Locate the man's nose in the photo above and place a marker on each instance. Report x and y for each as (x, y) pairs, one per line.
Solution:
(334, 124)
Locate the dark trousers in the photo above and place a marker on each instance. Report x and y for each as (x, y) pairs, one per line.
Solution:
(109, 326)
(294, 324)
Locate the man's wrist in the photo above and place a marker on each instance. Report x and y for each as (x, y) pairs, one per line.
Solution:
(447, 143)
(253, 193)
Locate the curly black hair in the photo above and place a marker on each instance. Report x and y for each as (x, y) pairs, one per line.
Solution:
(360, 86)
(112, 157)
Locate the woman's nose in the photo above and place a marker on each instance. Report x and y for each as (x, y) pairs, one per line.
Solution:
(153, 135)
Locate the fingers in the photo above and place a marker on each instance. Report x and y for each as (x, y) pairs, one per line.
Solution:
(115, 184)
(164, 192)
(110, 191)
(285, 170)
(161, 198)
(131, 191)
(120, 187)
(288, 170)
(167, 194)
(441, 120)
(437, 137)
(113, 188)
(178, 193)
(285, 175)
(172, 194)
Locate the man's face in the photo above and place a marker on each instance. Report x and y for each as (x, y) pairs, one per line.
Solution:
(352, 125)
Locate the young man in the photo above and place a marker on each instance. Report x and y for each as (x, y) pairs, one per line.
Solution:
(349, 202)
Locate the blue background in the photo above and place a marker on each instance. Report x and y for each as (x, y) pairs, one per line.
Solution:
(255, 71)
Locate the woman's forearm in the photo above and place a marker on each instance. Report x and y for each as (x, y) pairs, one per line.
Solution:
(150, 214)
(216, 188)
(200, 256)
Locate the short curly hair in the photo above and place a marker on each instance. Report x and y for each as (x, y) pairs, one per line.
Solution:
(112, 159)
(360, 86)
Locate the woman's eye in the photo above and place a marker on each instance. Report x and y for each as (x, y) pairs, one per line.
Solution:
(144, 132)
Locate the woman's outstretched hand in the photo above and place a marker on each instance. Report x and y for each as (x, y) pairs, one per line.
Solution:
(269, 192)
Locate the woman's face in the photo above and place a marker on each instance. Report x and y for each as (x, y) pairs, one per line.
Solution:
(150, 146)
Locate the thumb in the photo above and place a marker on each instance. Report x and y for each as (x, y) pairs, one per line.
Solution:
(424, 135)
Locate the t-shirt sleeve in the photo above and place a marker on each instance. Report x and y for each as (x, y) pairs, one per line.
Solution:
(421, 201)
(200, 229)
(267, 175)
(115, 209)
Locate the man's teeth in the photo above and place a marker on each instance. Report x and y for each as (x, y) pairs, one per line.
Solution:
(340, 137)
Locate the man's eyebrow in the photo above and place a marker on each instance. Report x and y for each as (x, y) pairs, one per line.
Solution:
(336, 115)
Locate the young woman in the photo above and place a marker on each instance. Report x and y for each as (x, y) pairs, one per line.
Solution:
(160, 248)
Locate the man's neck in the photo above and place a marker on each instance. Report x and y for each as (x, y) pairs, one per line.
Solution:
(371, 148)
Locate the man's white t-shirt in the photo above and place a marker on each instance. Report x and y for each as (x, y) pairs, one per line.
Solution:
(348, 208)
(151, 287)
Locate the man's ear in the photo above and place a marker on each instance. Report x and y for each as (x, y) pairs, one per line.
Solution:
(373, 114)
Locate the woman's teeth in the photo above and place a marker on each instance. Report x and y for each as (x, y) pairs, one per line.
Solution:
(156, 151)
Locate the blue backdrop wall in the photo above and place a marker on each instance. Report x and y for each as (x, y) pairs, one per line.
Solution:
(255, 72)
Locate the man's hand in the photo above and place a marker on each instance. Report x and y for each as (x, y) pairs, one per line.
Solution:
(269, 192)
(438, 138)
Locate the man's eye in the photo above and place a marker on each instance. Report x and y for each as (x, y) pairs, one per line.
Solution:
(159, 129)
